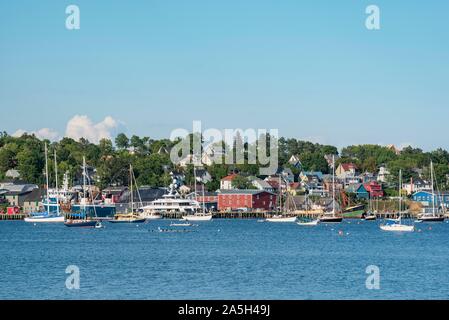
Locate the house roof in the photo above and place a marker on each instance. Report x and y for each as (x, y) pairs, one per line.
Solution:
(355, 188)
(262, 183)
(230, 177)
(238, 191)
(348, 166)
(295, 185)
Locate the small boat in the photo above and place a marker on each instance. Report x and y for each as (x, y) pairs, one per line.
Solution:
(130, 217)
(370, 217)
(430, 218)
(153, 217)
(181, 224)
(198, 217)
(45, 219)
(331, 217)
(396, 225)
(281, 218)
(127, 218)
(82, 223)
(434, 215)
(308, 223)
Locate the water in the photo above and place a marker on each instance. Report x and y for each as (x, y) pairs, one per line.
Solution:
(223, 259)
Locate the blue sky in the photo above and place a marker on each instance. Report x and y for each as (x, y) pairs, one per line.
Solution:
(309, 68)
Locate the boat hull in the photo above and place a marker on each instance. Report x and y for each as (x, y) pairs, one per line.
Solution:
(308, 224)
(370, 218)
(43, 219)
(82, 224)
(431, 219)
(128, 221)
(398, 228)
(197, 218)
(153, 217)
(282, 220)
(331, 220)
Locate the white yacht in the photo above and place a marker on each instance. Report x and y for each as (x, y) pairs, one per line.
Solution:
(172, 202)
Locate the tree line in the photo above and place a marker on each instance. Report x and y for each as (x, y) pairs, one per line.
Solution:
(152, 165)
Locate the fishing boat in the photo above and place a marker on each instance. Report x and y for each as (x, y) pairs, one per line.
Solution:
(432, 216)
(332, 217)
(198, 216)
(47, 216)
(82, 219)
(280, 217)
(396, 225)
(132, 216)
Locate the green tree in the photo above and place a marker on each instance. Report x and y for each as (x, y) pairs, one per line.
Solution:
(122, 141)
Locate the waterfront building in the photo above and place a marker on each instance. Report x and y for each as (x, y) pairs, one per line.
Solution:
(359, 190)
(426, 198)
(246, 200)
(416, 185)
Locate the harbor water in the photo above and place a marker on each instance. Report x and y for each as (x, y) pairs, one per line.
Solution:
(223, 259)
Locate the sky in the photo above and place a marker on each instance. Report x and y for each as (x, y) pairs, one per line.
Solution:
(308, 68)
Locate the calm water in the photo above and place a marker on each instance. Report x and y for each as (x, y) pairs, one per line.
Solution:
(223, 259)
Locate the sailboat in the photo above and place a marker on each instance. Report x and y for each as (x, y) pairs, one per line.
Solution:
(47, 216)
(280, 218)
(83, 221)
(331, 217)
(198, 216)
(431, 216)
(130, 217)
(308, 223)
(396, 225)
(370, 215)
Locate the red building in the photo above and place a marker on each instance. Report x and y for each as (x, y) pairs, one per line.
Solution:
(374, 189)
(246, 199)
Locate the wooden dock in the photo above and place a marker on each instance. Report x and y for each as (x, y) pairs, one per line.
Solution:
(10, 217)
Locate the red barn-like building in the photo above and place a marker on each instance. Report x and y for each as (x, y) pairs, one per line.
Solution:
(374, 189)
(248, 199)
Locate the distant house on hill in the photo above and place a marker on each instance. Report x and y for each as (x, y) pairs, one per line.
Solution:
(329, 157)
(226, 182)
(382, 175)
(346, 170)
(374, 189)
(261, 184)
(416, 185)
(393, 148)
(295, 162)
(12, 174)
(359, 190)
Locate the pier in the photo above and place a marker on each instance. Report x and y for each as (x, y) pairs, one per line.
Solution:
(16, 216)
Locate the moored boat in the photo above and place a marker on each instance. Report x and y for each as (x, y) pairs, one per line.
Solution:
(281, 218)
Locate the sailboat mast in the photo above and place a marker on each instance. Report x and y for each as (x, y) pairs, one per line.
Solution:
(84, 182)
(400, 192)
(56, 182)
(132, 191)
(333, 184)
(280, 194)
(46, 177)
(433, 189)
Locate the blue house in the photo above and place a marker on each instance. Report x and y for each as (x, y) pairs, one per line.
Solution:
(426, 198)
(359, 189)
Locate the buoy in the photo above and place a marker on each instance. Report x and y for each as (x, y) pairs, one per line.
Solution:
(340, 233)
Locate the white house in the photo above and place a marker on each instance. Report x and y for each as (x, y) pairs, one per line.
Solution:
(416, 185)
(383, 174)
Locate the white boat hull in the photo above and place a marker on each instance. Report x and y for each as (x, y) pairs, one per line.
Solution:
(198, 217)
(398, 228)
(153, 217)
(308, 224)
(45, 219)
(281, 219)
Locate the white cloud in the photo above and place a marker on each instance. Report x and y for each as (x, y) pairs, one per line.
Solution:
(81, 126)
(44, 133)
